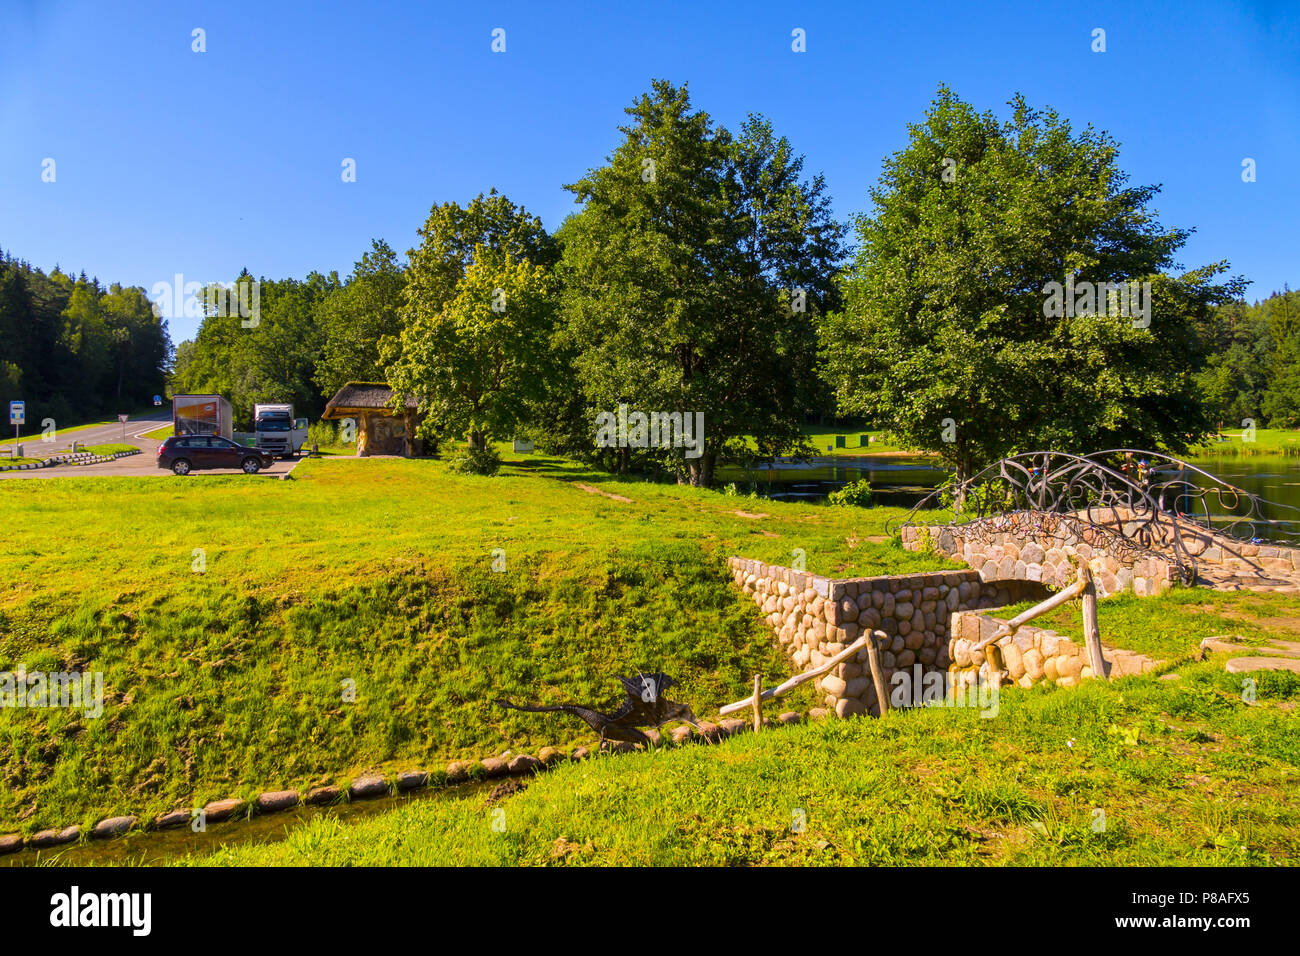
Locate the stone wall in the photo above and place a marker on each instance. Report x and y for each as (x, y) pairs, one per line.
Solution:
(1047, 548)
(1025, 546)
(1031, 655)
(815, 618)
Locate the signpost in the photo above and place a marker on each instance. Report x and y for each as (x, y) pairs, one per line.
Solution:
(17, 416)
(122, 418)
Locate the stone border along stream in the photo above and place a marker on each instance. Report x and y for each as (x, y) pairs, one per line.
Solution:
(78, 458)
(374, 785)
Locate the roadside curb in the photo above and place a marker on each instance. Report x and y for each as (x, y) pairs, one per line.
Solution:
(370, 786)
(70, 458)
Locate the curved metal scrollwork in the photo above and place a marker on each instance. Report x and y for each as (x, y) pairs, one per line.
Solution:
(1124, 499)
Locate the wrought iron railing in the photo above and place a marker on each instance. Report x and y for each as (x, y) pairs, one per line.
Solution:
(1123, 499)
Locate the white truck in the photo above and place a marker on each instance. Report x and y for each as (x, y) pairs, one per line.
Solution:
(277, 432)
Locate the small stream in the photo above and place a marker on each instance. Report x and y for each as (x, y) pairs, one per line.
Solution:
(152, 847)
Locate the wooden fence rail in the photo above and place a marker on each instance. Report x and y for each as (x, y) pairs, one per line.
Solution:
(755, 700)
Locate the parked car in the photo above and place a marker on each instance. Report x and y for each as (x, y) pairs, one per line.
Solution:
(186, 453)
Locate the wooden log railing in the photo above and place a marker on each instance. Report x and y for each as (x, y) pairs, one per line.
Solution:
(1083, 587)
(868, 641)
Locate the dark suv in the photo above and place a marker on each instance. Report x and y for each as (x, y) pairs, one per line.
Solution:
(186, 453)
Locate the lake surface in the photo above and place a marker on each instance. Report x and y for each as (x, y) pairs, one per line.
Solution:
(904, 481)
(896, 480)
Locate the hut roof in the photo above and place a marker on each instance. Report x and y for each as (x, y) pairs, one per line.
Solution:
(363, 397)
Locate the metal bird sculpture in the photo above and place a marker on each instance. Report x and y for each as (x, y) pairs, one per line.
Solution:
(643, 706)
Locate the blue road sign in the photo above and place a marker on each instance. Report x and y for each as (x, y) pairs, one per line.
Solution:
(17, 413)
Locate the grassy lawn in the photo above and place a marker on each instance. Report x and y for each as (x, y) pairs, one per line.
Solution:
(160, 434)
(822, 439)
(375, 574)
(1139, 772)
(1268, 441)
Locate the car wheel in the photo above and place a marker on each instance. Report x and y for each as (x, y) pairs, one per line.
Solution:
(181, 467)
(251, 466)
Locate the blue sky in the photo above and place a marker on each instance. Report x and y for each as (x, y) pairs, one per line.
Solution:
(170, 161)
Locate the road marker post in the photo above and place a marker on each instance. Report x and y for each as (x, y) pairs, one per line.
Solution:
(17, 416)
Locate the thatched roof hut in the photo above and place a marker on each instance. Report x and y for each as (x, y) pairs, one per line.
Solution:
(380, 429)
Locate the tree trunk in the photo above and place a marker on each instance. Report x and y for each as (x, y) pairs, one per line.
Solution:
(701, 469)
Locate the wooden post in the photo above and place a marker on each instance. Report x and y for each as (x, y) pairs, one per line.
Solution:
(1091, 632)
(877, 675)
(997, 667)
(758, 703)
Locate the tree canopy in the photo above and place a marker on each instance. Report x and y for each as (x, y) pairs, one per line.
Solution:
(691, 275)
(75, 350)
(948, 335)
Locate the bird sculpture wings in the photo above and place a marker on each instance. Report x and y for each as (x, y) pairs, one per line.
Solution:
(643, 705)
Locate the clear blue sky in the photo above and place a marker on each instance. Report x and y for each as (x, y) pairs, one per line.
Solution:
(173, 161)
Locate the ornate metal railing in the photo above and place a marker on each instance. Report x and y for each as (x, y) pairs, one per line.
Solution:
(1123, 499)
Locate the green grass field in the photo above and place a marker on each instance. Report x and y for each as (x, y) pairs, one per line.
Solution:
(1266, 441)
(227, 614)
(1139, 772)
(822, 440)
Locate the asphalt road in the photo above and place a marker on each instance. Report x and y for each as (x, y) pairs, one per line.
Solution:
(144, 465)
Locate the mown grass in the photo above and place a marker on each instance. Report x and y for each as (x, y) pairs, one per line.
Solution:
(1174, 624)
(1139, 772)
(1266, 441)
(822, 440)
(229, 617)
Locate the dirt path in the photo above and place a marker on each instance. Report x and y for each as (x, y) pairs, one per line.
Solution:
(593, 490)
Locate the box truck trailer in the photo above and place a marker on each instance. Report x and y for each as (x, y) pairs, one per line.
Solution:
(276, 431)
(202, 415)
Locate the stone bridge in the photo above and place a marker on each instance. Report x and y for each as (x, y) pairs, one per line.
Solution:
(1023, 526)
(1139, 527)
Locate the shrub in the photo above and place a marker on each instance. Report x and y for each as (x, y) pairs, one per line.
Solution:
(477, 461)
(857, 493)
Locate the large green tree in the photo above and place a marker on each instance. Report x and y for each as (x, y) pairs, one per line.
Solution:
(691, 276)
(355, 317)
(477, 315)
(1280, 314)
(476, 363)
(952, 334)
(267, 357)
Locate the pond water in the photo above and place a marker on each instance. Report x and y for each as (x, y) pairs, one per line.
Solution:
(151, 847)
(904, 480)
(1274, 478)
(897, 480)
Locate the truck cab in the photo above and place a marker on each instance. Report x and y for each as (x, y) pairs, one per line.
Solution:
(277, 432)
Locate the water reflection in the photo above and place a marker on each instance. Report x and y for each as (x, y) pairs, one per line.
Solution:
(904, 480)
